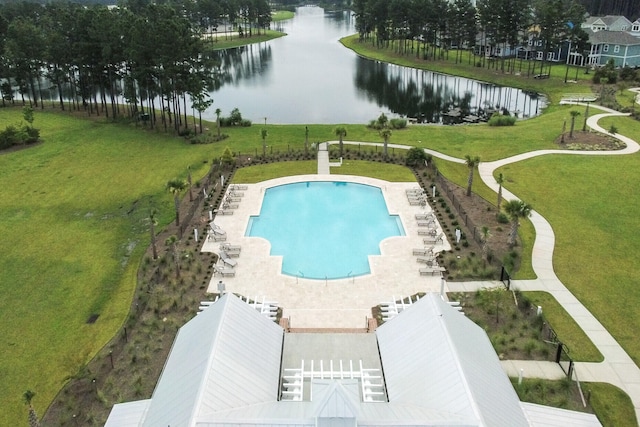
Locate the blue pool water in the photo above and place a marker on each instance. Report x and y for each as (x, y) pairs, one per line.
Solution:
(324, 230)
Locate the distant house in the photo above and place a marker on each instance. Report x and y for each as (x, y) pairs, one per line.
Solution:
(534, 49)
(429, 366)
(620, 46)
(607, 23)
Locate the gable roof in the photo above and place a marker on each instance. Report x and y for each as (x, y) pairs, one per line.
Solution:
(226, 357)
(434, 356)
(612, 37)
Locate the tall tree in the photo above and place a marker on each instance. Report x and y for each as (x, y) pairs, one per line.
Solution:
(386, 135)
(264, 134)
(153, 221)
(472, 163)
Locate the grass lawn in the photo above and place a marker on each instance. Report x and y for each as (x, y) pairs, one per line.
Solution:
(74, 226)
(222, 42)
(590, 202)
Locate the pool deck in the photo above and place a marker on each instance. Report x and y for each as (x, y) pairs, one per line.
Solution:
(342, 303)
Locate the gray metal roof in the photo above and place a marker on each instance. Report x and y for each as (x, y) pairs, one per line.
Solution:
(440, 370)
(226, 357)
(435, 357)
(612, 37)
(546, 416)
(127, 414)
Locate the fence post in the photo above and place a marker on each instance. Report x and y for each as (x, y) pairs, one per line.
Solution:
(559, 352)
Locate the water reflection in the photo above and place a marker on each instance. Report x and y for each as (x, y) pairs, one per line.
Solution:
(437, 98)
(309, 77)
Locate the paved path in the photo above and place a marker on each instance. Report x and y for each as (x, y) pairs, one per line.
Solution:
(617, 368)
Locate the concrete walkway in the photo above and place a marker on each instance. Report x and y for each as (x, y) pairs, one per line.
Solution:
(617, 368)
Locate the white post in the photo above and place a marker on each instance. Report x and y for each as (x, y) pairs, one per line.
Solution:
(204, 191)
(442, 282)
(210, 215)
(539, 311)
(195, 234)
(458, 235)
(520, 375)
(433, 190)
(221, 180)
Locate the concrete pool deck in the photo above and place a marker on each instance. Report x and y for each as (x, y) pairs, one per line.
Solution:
(342, 303)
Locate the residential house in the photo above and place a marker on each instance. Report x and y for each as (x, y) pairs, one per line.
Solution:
(620, 46)
(607, 23)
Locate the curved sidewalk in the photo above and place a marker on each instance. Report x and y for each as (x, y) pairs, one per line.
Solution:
(617, 368)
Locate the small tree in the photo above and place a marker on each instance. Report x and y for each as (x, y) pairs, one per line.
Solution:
(263, 134)
(485, 234)
(386, 134)
(172, 242)
(227, 157)
(27, 114)
(153, 221)
(472, 163)
(500, 181)
(27, 397)
(175, 187)
(218, 112)
(516, 209)
(416, 156)
(341, 132)
(574, 114)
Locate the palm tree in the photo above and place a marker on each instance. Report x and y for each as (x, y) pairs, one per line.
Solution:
(172, 242)
(27, 396)
(516, 209)
(218, 112)
(471, 163)
(175, 187)
(385, 134)
(153, 221)
(500, 181)
(263, 134)
(340, 132)
(574, 114)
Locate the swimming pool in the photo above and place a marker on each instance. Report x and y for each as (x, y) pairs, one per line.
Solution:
(324, 230)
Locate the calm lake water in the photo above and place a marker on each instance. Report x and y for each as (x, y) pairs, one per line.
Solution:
(309, 77)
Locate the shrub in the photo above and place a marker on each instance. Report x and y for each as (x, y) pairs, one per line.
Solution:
(501, 120)
(398, 123)
(416, 156)
(503, 218)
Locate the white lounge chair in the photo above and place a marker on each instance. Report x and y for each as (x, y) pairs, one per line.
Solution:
(428, 232)
(423, 251)
(216, 229)
(225, 258)
(231, 250)
(236, 187)
(235, 194)
(229, 206)
(426, 223)
(433, 239)
(426, 216)
(230, 199)
(429, 260)
(417, 202)
(225, 272)
(431, 270)
(222, 212)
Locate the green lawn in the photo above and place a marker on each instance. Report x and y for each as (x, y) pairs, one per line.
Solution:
(74, 213)
(73, 228)
(592, 204)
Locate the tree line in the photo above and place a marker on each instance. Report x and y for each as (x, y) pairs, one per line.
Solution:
(152, 57)
(430, 29)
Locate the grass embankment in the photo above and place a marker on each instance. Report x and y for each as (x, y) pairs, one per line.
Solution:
(74, 226)
(231, 40)
(552, 87)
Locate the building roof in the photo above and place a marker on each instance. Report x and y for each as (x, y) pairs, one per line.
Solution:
(436, 357)
(612, 37)
(608, 20)
(439, 368)
(226, 357)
